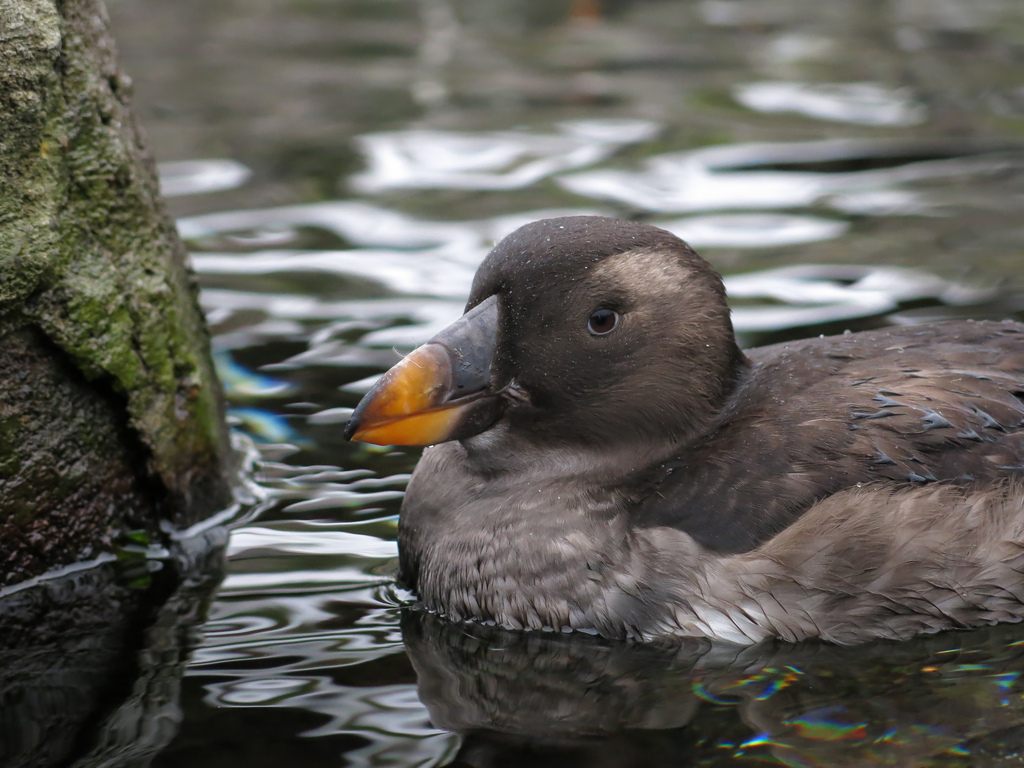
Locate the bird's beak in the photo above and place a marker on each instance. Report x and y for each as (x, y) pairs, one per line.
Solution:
(438, 392)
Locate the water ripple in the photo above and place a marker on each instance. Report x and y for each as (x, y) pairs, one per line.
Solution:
(857, 103)
(194, 177)
(500, 160)
(786, 175)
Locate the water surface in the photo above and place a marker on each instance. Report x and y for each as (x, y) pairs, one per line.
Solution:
(339, 169)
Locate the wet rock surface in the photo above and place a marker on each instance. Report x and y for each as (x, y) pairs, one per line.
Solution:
(110, 412)
(70, 469)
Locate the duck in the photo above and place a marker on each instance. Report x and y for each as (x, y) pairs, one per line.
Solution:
(604, 458)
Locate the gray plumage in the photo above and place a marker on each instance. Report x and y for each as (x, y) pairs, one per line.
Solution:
(659, 482)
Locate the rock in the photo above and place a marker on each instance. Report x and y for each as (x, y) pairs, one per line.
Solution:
(111, 417)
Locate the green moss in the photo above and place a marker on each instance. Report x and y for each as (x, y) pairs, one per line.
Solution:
(28, 169)
(89, 257)
(103, 341)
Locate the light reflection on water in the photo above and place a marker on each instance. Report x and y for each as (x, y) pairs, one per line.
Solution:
(844, 167)
(495, 161)
(196, 177)
(863, 103)
(740, 176)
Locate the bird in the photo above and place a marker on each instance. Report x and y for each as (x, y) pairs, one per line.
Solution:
(605, 459)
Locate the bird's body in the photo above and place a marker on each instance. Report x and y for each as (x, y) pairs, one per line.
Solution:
(650, 480)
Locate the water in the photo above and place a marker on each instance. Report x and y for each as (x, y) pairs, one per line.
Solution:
(339, 169)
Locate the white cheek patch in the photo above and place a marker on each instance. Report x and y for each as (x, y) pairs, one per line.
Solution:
(646, 272)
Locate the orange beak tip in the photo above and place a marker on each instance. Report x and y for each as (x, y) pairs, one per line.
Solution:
(409, 404)
(421, 429)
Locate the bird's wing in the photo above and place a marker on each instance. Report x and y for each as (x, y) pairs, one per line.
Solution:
(818, 416)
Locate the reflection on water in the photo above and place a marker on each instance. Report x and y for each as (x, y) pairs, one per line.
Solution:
(195, 177)
(91, 659)
(881, 176)
(799, 705)
(506, 160)
(863, 103)
(847, 165)
(753, 230)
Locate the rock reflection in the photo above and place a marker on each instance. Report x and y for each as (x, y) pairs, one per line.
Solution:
(91, 661)
(578, 700)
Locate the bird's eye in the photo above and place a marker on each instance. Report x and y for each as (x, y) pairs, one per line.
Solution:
(602, 321)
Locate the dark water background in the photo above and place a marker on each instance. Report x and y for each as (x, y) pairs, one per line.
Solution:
(340, 167)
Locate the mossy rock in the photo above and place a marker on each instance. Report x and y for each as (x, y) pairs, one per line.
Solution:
(111, 416)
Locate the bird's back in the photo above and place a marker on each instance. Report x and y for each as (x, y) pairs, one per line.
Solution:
(909, 406)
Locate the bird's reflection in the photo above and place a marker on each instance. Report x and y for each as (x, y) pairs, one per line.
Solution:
(552, 699)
